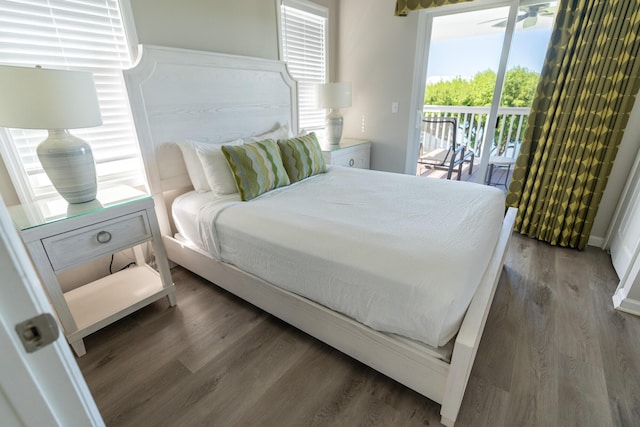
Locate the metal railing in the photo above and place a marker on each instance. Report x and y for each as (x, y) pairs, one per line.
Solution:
(507, 136)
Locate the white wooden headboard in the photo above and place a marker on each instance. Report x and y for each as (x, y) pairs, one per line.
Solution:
(178, 94)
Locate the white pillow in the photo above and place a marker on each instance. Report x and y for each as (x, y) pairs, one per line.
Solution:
(283, 132)
(216, 169)
(194, 167)
(204, 178)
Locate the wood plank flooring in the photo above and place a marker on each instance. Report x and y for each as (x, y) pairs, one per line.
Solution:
(554, 353)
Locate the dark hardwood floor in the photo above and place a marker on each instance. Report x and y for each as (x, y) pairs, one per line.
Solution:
(554, 353)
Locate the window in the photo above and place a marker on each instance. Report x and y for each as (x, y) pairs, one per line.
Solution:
(304, 49)
(83, 35)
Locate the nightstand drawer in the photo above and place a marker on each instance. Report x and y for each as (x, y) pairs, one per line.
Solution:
(352, 153)
(97, 240)
(352, 158)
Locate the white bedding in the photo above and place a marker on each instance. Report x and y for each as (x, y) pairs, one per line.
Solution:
(185, 210)
(401, 254)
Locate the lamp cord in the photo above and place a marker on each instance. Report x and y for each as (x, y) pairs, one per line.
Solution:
(125, 267)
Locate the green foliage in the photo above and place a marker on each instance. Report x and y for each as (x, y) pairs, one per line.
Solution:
(518, 91)
(519, 87)
(453, 92)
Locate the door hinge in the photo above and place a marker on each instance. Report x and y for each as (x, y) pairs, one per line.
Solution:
(38, 332)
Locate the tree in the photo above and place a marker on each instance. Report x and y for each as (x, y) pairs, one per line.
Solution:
(519, 87)
(518, 91)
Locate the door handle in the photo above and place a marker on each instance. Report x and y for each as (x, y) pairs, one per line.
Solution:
(38, 332)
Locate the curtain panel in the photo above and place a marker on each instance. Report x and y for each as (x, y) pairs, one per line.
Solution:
(586, 91)
(403, 7)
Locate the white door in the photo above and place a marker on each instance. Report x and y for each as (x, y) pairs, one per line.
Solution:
(45, 387)
(625, 245)
(626, 236)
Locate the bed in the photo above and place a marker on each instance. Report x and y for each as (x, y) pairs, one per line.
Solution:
(181, 95)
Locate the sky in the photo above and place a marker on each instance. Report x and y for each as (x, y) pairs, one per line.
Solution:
(479, 53)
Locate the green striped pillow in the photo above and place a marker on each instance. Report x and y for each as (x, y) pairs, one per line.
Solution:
(257, 167)
(302, 157)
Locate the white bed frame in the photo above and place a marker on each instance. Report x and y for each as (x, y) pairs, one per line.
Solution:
(184, 94)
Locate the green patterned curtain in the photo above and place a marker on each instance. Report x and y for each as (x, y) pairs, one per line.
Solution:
(405, 6)
(586, 91)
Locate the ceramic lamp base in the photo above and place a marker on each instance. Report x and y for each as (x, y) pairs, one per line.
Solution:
(74, 209)
(334, 127)
(69, 164)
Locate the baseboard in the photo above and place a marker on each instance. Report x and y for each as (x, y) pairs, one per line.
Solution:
(596, 241)
(623, 303)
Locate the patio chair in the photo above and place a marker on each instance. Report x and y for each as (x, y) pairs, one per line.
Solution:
(502, 161)
(449, 158)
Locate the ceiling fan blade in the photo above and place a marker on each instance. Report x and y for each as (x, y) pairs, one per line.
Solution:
(503, 23)
(490, 21)
(530, 22)
(522, 16)
(547, 11)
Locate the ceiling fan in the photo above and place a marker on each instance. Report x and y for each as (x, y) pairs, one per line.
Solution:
(527, 14)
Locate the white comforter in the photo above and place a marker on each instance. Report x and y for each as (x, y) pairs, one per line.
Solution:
(401, 254)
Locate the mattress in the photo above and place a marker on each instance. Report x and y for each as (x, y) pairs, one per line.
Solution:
(400, 254)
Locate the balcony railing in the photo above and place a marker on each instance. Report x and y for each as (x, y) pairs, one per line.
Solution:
(471, 127)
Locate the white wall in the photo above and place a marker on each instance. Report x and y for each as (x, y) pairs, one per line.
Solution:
(241, 27)
(376, 53)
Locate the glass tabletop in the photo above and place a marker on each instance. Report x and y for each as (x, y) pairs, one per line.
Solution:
(54, 209)
(344, 143)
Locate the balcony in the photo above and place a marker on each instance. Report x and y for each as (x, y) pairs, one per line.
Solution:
(506, 139)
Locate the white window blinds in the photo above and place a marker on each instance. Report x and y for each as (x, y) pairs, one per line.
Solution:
(304, 48)
(83, 35)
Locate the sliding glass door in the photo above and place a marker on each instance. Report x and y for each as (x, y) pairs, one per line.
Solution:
(481, 65)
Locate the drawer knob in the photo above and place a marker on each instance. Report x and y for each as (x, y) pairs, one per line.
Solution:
(351, 162)
(103, 237)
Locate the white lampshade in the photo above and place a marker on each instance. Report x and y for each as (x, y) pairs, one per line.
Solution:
(38, 98)
(334, 95)
(56, 100)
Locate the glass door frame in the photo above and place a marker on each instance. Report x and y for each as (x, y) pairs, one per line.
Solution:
(423, 43)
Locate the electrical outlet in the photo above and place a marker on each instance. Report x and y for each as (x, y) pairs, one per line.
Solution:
(394, 107)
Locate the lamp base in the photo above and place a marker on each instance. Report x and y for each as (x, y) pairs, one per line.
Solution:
(74, 209)
(69, 164)
(334, 123)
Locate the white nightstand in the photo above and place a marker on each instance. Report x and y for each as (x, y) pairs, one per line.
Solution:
(60, 236)
(354, 153)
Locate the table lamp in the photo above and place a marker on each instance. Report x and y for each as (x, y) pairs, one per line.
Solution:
(334, 96)
(56, 100)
